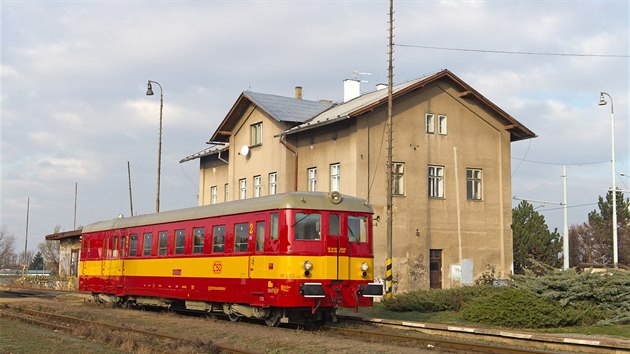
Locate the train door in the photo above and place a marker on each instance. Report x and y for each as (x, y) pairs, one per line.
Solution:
(256, 243)
(122, 255)
(337, 247)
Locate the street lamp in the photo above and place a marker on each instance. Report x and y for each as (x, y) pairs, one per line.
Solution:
(602, 102)
(159, 165)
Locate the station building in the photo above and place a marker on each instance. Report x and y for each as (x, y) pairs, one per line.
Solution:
(452, 209)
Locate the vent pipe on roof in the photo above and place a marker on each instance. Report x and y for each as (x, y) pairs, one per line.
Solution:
(351, 89)
(298, 92)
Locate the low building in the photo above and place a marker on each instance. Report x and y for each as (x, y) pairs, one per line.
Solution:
(452, 193)
(69, 252)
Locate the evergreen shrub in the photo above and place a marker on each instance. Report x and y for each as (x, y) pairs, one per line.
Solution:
(435, 300)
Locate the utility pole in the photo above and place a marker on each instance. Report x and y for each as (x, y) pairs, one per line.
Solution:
(25, 266)
(76, 187)
(390, 83)
(130, 195)
(565, 229)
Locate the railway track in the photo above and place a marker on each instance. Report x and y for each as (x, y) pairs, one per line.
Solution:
(161, 343)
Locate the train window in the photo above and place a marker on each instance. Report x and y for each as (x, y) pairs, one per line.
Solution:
(218, 238)
(133, 245)
(148, 242)
(88, 248)
(274, 226)
(240, 237)
(198, 236)
(115, 247)
(357, 228)
(307, 226)
(108, 249)
(260, 236)
(162, 243)
(123, 244)
(334, 225)
(180, 239)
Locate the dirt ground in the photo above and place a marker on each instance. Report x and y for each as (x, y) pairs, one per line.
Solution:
(249, 335)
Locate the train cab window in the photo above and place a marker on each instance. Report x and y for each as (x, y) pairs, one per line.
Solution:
(146, 245)
(162, 243)
(307, 226)
(180, 241)
(274, 226)
(133, 245)
(123, 244)
(198, 236)
(357, 228)
(115, 247)
(218, 238)
(260, 236)
(334, 224)
(240, 237)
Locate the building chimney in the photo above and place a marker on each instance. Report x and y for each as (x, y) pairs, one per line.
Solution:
(381, 87)
(351, 89)
(298, 92)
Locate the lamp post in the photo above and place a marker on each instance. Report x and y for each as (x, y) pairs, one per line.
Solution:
(159, 165)
(602, 102)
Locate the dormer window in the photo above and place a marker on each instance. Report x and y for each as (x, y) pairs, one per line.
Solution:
(255, 134)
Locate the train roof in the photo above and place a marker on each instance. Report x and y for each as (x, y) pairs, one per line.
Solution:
(292, 200)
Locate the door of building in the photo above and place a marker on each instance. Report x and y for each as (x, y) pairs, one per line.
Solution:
(435, 269)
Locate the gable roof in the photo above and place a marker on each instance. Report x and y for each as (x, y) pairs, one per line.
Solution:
(369, 101)
(280, 108)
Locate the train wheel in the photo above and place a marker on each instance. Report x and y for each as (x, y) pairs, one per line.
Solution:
(273, 320)
(234, 317)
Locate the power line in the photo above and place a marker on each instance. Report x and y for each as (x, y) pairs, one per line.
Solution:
(515, 52)
(562, 163)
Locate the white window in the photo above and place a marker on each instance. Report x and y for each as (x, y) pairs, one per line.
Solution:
(226, 192)
(256, 134)
(242, 184)
(273, 180)
(436, 181)
(429, 123)
(312, 179)
(473, 184)
(257, 186)
(213, 194)
(441, 124)
(335, 177)
(398, 178)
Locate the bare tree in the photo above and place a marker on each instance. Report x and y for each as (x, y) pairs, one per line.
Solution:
(7, 248)
(50, 252)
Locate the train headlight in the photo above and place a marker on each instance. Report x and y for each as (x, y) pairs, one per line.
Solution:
(308, 265)
(364, 266)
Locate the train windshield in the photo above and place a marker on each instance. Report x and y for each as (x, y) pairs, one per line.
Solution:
(307, 226)
(357, 228)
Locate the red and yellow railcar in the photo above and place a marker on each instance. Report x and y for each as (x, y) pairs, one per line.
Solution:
(292, 257)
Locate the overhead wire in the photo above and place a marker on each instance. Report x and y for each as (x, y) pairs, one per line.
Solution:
(515, 52)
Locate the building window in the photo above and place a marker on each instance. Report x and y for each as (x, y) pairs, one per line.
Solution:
(436, 181)
(226, 192)
(473, 183)
(257, 186)
(398, 178)
(198, 236)
(180, 241)
(429, 123)
(162, 243)
(312, 179)
(256, 134)
(441, 124)
(242, 184)
(273, 180)
(213, 194)
(335, 177)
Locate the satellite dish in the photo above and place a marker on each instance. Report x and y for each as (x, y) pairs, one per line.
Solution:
(245, 150)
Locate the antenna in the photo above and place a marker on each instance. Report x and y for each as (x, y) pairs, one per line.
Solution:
(357, 73)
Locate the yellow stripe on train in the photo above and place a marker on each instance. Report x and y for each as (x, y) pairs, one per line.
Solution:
(254, 267)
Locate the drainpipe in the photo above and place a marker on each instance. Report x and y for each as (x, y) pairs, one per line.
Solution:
(219, 157)
(296, 161)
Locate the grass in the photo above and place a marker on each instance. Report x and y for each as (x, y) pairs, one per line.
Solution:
(455, 318)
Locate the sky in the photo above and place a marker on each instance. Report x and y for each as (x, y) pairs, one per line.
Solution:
(74, 73)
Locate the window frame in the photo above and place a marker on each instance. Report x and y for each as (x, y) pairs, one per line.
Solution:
(257, 186)
(218, 238)
(162, 251)
(213, 195)
(442, 124)
(242, 188)
(335, 177)
(474, 184)
(256, 134)
(198, 242)
(239, 242)
(180, 234)
(436, 181)
(429, 123)
(398, 179)
(311, 179)
(273, 183)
